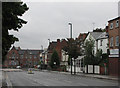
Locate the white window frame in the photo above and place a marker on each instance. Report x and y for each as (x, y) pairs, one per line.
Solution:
(111, 42)
(117, 41)
(111, 25)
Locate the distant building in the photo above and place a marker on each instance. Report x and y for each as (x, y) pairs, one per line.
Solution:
(58, 47)
(22, 57)
(102, 43)
(94, 36)
(114, 46)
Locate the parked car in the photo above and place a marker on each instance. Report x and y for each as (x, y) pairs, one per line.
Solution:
(18, 67)
(38, 66)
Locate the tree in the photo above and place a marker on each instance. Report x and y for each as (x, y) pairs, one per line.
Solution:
(90, 57)
(54, 61)
(73, 50)
(98, 57)
(89, 52)
(11, 12)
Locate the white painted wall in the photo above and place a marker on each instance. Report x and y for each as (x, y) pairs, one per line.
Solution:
(90, 36)
(64, 58)
(104, 46)
(90, 69)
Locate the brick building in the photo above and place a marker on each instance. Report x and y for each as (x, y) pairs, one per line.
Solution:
(114, 46)
(22, 57)
(56, 46)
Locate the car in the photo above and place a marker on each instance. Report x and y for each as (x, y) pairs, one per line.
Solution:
(30, 71)
(38, 66)
(18, 67)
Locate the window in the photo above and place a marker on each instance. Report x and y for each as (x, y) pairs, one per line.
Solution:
(35, 56)
(117, 41)
(13, 55)
(30, 56)
(111, 26)
(117, 23)
(17, 57)
(21, 56)
(111, 42)
(101, 42)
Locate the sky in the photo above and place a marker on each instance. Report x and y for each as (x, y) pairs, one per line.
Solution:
(49, 20)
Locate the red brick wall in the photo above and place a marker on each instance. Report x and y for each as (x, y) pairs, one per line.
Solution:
(113, 66)
(114, 63)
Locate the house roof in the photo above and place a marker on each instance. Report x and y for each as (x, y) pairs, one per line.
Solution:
(114, 19)
(96, 34)
(52, 45)
(82, 36)
(102, 36)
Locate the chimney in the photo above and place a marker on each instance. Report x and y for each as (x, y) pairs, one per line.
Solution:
(58, 40)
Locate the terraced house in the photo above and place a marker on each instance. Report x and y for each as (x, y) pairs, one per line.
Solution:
(22, 57)
(114, 46)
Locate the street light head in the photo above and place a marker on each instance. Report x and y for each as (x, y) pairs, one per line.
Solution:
(70, 23)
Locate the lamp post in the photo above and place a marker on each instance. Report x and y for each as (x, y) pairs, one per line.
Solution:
(71, 38)
(49, 41)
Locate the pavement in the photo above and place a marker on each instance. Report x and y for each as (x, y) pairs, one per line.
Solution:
(89, 75)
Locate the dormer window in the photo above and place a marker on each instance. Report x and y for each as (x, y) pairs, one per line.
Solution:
(111, 26)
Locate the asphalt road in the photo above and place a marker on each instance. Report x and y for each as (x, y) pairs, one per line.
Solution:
(55, 79)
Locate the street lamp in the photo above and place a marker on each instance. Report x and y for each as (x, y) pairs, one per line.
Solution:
(70, 29)
(49, 41)
(71, 38)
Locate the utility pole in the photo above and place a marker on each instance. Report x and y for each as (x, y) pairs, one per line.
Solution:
(71, 46)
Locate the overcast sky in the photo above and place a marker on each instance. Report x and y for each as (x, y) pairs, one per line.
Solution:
(49, 20)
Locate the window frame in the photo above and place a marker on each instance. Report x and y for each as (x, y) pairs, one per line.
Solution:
(111, 27)
(117, 24)
(111, 42)
(117, 41)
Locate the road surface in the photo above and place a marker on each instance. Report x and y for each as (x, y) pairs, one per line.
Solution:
(40, 78)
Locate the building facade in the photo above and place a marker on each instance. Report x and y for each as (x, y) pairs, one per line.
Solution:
(94, 36)
(114, 46)
(58, 46)
(102, 43)
(22, 57)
